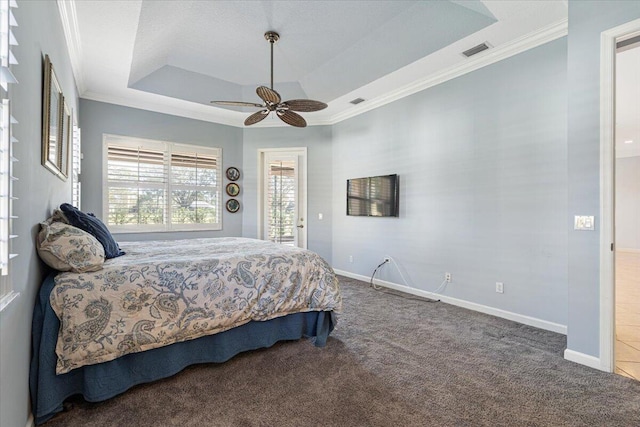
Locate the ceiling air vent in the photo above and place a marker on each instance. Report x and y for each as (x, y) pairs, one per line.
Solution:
(475, 50)
(356, 101)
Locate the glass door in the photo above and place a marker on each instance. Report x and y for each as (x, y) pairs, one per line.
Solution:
(283, 210)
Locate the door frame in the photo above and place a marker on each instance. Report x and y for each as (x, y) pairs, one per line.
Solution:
(302, 210)
(608, 40)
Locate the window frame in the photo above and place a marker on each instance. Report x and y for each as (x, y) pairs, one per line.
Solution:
(7, 153)
(167, 148)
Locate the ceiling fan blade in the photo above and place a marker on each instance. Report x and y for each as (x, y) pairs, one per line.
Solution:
(237, 104)
(256, 117)
(268, 95)
(305, 105)
(291, 118)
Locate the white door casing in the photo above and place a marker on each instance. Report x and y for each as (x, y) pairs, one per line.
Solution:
(608, 40)
(282, 191)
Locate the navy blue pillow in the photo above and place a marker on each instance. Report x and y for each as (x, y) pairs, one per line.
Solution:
(93, 226)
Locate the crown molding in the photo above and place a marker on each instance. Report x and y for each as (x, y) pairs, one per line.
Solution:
(67, 10)
(519, 45)
(233, 118)
(205, 114)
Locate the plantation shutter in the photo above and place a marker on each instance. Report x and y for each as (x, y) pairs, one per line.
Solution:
(6, 187)
(7, 158)
(7, 39)
(137, 179)
(76, 168)
(281, 198)
(161, 186)
(194, 193)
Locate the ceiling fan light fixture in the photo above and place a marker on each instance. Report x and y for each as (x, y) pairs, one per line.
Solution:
(273, 101)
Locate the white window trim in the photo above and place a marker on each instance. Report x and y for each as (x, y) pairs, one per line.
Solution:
(7, 159)
(168, 148)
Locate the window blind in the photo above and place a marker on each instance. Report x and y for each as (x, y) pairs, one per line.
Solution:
(161, 186)
(281, 198)
(7, 157)
(7, 39)
(193, 183)
(76, 170)
(137, 180)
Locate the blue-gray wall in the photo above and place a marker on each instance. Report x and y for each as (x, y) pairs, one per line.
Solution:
(587, 20)
(317, 139)
(40, 32)
(98, 118)
(489, 180)
(482, 164)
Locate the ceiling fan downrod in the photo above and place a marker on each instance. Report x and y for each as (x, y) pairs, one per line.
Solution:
(272, 37)
(285, 110)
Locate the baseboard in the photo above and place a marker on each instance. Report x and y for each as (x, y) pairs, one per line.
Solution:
(527, 320)
(583, 359)
(30, 421)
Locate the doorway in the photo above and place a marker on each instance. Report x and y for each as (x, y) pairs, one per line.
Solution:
(627, 207)
(611, 41)
(282, 196)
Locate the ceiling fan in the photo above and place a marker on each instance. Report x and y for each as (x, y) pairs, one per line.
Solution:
(272, 101)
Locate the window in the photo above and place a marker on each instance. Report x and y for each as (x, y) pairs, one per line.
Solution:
(7, 158)
(161, 186)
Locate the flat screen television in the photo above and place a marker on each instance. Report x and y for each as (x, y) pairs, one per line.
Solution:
(373, 196)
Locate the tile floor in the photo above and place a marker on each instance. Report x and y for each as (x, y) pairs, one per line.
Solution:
(628, 314)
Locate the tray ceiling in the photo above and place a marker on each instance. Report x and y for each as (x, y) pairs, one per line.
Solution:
(177, 56)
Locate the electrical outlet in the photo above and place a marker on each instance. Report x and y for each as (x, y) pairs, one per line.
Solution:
(500, 287)
(350, 258)
(447, 277)
(386, 259)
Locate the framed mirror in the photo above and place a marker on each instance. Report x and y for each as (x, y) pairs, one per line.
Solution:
(56, 126)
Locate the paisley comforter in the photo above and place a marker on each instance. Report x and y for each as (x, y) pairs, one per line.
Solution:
(164, 292)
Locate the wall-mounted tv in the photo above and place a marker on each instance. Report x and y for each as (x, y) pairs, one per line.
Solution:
(373, 196)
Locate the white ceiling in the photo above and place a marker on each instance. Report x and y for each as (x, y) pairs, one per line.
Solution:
(176, 56)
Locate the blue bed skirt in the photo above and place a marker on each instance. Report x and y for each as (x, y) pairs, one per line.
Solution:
(105, 380)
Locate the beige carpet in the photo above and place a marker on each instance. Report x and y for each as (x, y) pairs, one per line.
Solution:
(393, 361)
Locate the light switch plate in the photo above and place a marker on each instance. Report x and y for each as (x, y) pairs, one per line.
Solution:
(584, 222)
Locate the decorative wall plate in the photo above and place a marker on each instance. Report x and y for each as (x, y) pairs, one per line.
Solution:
(233, 174)
(233, 205)
(233, 189)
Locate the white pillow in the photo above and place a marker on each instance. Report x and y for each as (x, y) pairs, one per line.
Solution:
(67, 248)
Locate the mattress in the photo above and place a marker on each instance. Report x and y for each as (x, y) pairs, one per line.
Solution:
(164, 292)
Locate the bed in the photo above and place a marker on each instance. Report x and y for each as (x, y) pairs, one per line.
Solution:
(166, 305)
